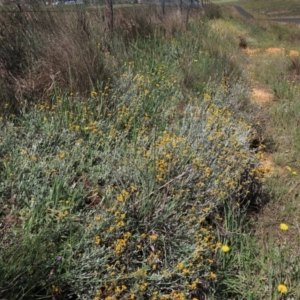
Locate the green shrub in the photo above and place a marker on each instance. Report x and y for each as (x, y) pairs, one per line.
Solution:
(124, 187)
(138, 176)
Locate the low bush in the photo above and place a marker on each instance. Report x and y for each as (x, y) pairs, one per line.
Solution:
(118, 195)
(127, 197)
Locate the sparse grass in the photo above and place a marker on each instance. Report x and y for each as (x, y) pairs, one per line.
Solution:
(254, 270)
(268, 256)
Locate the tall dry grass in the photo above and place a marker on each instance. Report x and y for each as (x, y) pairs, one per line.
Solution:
(45, 49)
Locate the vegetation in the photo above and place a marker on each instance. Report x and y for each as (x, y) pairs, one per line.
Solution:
(130, 160)
(271, 9)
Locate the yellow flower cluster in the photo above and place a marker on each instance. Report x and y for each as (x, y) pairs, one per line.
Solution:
(151, 186)
(120, 244)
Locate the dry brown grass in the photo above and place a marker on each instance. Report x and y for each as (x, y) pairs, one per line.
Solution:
(73, 51)
(48, 49)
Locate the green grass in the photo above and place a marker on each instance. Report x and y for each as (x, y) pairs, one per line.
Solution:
(266, 9)
(268, 256)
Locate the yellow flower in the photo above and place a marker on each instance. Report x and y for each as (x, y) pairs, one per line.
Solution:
(225, 248)
(153, 237)
(284, 226)
(55, 289)
(120, 224)
(120, 198)
(206, 209)
(180, 266)
(213, 275)
(218, 245)
(133, 188)
(97, 240)
(93, 93)
(193, 285)
(159, 178)
(62, 155)
(185, 271)
(60, 215)
(207, 97)
(282, 288)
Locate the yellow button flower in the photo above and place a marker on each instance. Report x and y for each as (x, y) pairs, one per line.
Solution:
(225, 248)
(284, 226)
(282, 288)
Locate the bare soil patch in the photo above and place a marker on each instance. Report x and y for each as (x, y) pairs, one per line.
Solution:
(271, 50)
(261, 95)
(294, 53)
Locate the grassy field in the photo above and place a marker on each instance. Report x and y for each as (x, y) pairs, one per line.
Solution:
(266, 9)
(131, 160)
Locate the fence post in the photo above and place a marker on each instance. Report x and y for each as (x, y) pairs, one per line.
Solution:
(110, 15)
